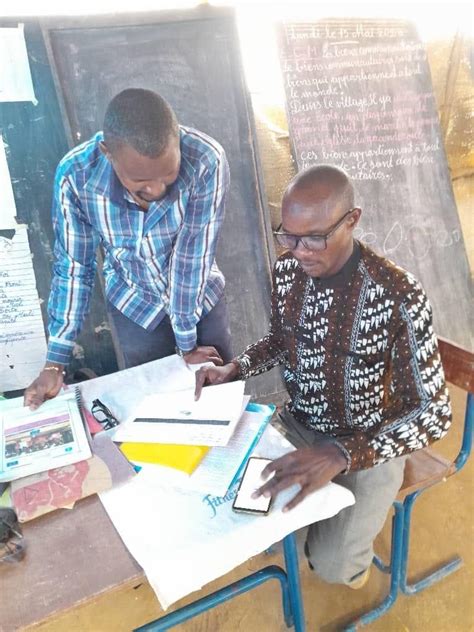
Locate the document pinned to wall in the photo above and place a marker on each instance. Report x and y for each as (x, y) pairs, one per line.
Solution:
(7, 201)
(15, 75)
(22, 337)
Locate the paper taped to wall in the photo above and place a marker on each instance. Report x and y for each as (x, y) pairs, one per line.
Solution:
(22, 337)
(15, 76)
(7, 201)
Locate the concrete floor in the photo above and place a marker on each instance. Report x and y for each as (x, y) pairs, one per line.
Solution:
(442, 528)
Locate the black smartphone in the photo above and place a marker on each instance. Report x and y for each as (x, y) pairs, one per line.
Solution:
(252, 480)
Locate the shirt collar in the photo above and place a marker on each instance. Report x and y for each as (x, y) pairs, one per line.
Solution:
(99, 180)
(104, 180)
(345, 274)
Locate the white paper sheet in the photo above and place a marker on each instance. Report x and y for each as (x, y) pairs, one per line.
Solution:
(123, 391)
(177, 418)
(15, 75)
(216, 471)
(22, 337)
(7, 201)
(186, 539)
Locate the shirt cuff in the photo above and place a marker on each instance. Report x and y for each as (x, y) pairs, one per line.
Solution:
(59, 351)
(186, 340)
(242, 366)
(346, 454)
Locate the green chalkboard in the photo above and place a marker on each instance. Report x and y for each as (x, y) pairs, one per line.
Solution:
(192, 58)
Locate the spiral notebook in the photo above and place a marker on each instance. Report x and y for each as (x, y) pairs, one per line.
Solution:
(39, 440)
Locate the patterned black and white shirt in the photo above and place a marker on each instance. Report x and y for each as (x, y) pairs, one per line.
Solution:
(360, 357)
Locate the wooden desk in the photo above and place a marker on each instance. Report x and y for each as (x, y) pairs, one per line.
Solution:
(76, 555)
(72, 556)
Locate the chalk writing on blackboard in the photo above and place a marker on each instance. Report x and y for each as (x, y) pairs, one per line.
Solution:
(22, 338)
(338, 82)
(359, 96)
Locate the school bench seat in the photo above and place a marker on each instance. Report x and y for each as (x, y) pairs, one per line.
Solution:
(423, 470)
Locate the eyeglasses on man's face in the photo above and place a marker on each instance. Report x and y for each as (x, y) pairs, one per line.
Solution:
(310, 242)
(103, 415)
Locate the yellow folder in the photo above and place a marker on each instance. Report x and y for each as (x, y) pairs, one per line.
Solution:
(182, 457)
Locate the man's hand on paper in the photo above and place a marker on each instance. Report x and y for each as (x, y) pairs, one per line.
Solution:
(200, 355)
(311, 468)
(215, 375)
(46, 386)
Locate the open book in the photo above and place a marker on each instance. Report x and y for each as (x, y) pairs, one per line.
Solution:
(36, 441)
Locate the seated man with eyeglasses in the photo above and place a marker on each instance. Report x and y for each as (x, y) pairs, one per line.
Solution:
(354, 334)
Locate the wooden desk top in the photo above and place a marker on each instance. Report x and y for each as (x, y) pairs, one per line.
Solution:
(72, 556)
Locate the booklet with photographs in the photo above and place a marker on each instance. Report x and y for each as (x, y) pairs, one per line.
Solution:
(37, 441)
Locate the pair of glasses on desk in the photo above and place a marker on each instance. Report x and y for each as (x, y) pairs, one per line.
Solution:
(103, 415)
(11, 550)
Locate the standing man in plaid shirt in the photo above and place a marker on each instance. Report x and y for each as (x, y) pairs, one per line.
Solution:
(152, 193)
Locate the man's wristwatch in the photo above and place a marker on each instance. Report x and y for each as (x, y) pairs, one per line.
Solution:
(182, 353)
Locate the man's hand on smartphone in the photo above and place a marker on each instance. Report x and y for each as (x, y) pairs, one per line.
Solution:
(244, 500)
(310, 468)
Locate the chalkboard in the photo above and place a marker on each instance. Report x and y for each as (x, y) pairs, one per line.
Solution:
(192, 59)
(359, 96)
(35, 141)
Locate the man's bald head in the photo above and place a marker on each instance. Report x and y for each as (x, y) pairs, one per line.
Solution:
(318, 219)
(324, 186)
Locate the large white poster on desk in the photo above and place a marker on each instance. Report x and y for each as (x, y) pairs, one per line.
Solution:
(184, 539)
(22, 337)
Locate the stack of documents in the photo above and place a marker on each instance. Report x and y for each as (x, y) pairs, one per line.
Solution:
(221, 466)
(173, 430)
(164, 390)
(176, 418)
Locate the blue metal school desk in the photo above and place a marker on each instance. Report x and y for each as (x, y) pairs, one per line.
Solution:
(289, 579)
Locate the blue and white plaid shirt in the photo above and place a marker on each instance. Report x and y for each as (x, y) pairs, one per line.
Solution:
(157, 262)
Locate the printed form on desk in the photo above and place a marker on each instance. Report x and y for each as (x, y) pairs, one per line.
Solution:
(183, 529)
(216, 471)
(175, 417)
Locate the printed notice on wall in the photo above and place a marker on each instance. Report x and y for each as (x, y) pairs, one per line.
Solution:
(22, 337)
(7, 201)
(15, 76)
